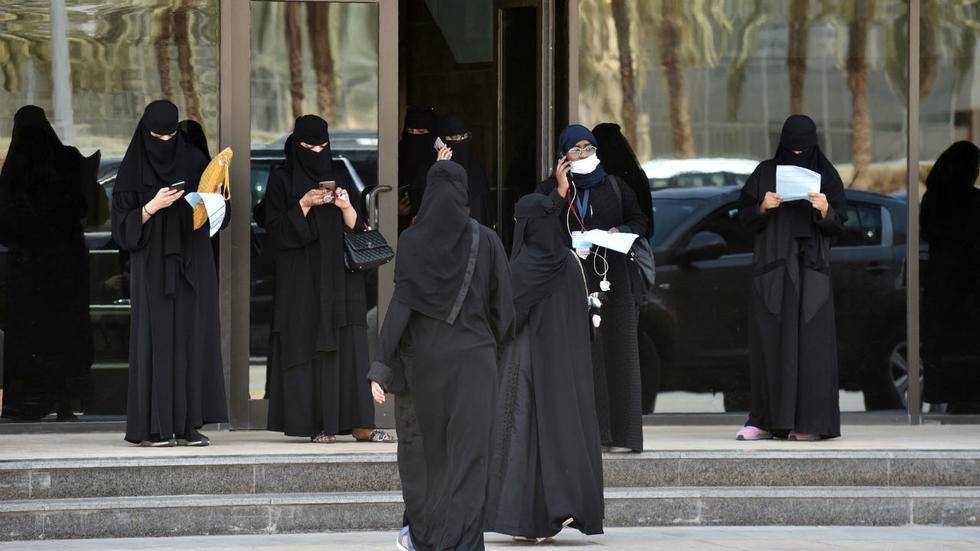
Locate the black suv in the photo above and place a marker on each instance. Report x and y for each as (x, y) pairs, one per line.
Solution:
(693, 327)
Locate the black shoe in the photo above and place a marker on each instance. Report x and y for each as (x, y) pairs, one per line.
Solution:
(158, 443)
(194, 439)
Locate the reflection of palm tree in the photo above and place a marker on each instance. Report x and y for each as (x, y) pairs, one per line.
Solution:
(627, 80)
(799, 32)
(859, 23)
(671, 40)
(295, 47)
(162, 45)
(318, 21)
(181, 22)
(746, 34)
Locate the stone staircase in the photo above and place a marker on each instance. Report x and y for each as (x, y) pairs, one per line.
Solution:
(261, 494)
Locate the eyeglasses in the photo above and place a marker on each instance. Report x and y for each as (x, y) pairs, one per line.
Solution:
(576, 153)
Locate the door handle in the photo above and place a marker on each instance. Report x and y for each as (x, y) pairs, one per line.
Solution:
(374, 210)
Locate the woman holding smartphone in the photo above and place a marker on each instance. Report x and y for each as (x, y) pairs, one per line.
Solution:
(318, 353)
(176, 382)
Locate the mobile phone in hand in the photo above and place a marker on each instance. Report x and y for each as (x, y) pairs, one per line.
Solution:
(177, 186)
(439, 144)
(328, 185)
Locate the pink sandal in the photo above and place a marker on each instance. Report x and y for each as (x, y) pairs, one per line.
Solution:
(749, 432)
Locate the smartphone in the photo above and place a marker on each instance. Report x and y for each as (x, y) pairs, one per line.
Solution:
(177, 186)
(439, 144)
(329, 185)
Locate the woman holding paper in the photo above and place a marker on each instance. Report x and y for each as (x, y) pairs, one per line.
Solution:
(792, 337)
(318, 359)
(588, 199)
(176, 381)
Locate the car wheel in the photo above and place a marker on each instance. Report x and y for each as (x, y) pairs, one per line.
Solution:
(650, 365)
(888, 384)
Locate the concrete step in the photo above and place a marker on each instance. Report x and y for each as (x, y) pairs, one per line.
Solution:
(323, 473)
(318, 512)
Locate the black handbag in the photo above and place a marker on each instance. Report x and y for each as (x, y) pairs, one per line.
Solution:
(365, 250)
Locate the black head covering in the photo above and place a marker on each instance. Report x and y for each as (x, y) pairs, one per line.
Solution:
(34, 146)
(951, 198)
(416, 150)
(151, 163)
(194, 134)
(539, 254)
(453, 125)
(312, 130)
(800, 134)
(433, 262)
(618, 158)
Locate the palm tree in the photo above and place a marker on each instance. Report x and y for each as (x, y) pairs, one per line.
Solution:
(188, 78)
(861, 16)
(746, 40)
(671, 40)
(318, 22)
(799, 33)
(295, 46)
(162, 46)
(627, 80)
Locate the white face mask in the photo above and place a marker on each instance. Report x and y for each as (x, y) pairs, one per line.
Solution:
(586, 165)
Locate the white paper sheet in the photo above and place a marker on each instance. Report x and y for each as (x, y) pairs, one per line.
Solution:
(795, 182)
(214, 205)
(620, 242)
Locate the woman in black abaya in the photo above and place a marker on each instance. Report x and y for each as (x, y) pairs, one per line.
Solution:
(792, 335)
(592, 199)
(437, 353)
(456, 135)
(546, 471)
(176, 381)
(48, 346)
(318, 362)
(416, 155)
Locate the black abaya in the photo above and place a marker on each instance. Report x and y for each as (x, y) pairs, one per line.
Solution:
(48, 347)
(318, 362)
(176, 380)
(615, 351)
(440, 360)
(546, 465)
(792, 335)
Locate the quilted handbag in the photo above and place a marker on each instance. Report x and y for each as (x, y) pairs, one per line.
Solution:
(365, 250)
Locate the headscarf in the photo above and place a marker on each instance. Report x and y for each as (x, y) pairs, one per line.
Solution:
(618, 158)
(31, 157)
(800, 134)
(951, 198)
(311, 167)
(454, 125)
(416, 149)
(194, 134)
(539, 254)
(436, 255)
(151, 163)
(571, 135)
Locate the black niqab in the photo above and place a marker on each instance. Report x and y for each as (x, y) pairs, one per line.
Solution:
(417, 149)
(539, 255)
(618, 158)
(33, 147)
(950, 193)
(151, 163)
(316, 167)
(194, 134)
(435, 255)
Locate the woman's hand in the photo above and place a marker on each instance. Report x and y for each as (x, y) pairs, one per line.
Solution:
(341, 199)
(562, 169)
(770, 201)
(164, 198)
(444, 154)
(312, 198)
(819, 201)
(377, 392)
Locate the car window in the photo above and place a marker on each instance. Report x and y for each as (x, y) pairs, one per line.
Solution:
(725, 223)
(260, 178)
(863, 225)
(669, 214)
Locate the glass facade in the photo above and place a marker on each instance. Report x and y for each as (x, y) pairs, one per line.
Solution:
(92, 66)
(700, 89)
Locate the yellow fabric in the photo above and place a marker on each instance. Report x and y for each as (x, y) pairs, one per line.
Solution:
(216, 173)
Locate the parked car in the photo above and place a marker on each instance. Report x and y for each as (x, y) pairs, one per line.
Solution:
(701, 172)
(693, 326)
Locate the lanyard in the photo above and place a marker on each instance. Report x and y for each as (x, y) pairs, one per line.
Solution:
(581, 206)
